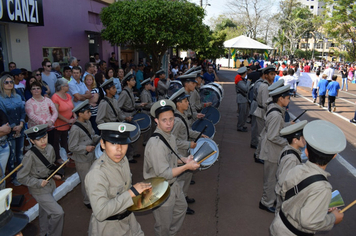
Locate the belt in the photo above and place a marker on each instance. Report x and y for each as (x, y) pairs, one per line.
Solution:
(260, 106)
(290, 226)
(119, 216)
(125, 110)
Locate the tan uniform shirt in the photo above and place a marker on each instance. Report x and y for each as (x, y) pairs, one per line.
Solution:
(180, 131)
(107, 185)
(308, 210)
(159, 160)
(127, 104)
(146, 97)
(79, 140)
(162, 88)
(34, 171)
(272, 142)
(105, 113)
(194, 100)
(262, 96)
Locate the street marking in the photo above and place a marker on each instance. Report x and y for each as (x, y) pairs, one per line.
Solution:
(348, 93)
(353, 103)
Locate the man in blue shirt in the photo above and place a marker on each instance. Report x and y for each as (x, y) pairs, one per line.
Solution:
(210, 76)
(139, 76)
(333, 91)
(323, 83)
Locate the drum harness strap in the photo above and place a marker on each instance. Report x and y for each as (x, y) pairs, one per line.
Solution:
(84, 130)
(45, 161)
(112, 107)
(294, 191)
(185, 123)
(167, 144)
(291, 151)
(133, 104)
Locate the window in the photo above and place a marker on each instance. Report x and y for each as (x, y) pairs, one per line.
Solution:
(318, 45)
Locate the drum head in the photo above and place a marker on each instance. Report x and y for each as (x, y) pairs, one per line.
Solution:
(135, 135)
(143, 120)
(212, 159)
(218, 86)
(174, 86)
(201, 123)
(209, 93)
(98, 151)
(212, 114)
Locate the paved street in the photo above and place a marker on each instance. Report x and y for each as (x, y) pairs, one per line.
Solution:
(227, 194)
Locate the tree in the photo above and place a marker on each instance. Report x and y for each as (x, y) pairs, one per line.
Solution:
(154, 26)
(279, 41)
(213, 47)
(341, 24)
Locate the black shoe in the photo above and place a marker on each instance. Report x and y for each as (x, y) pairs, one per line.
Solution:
(88, 206)
(353, 121)
(189, 200)
(269, 209)
(192, 182)
(136, 155)
(248, 122)
(253, 146)
(144, 144)
(242, 130)
(133, 161)
(190, 211)
(257, 160)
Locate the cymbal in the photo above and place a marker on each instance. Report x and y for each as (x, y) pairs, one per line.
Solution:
(151, 198)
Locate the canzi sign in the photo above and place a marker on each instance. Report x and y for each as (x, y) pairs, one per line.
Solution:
(22, 11)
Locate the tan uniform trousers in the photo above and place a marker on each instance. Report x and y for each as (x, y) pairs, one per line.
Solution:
(184, 181)
(260, 126)
(269, 183)
(50, 215)
(170, 215)
(83, 169)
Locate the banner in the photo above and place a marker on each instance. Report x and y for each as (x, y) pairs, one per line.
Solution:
(265, 54)
(22, 11)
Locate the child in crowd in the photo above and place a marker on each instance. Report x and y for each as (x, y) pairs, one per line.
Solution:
(333, 90)
(315, 83)
(323, 83)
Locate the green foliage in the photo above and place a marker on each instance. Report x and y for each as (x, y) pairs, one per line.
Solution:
(213, 46)
(154, 25)
(341, 24)
(225, 23)
(279, 41)
(305, 54)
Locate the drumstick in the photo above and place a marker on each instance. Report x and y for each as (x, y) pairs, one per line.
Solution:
(207, 157)
(49, 129)
(7, 176)
(200, 134)
(348, 206)
(139, 119)
(57, 169)
(299, 116)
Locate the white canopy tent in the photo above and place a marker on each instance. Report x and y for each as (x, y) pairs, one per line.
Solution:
(243, 42)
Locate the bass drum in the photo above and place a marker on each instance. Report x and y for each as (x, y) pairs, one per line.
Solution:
(174, 86)
(221, 89)
(134, 135)
(210, 160)
(143, 120)
(210, 93)
(212, 114)
(199, 125)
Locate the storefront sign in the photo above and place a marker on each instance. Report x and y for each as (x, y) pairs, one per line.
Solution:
(22, 11)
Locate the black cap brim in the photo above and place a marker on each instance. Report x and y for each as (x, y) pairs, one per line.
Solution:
(16, 224)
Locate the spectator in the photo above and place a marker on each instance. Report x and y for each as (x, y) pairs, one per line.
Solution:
(89, 69)
(120, 74)
(14, 108)
(307, 68)
(343, 71)
(99, 80)
(5, 129)
(67, 73)
(139, 76)
(19, 87)
(333, 90)
(77, 88)
(323, 83)
(12, 66)
(28, 93)
(110, 74)
(90, 83)
(45, 87)
(113, 62)
(48, 76)
(210, 76)
(329, 71)
(56, 69)
(102, 67)
(73, 61)
(315, 83)
(97, 58)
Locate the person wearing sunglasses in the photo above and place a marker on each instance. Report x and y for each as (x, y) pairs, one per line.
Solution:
(48, 76)
(11, 103)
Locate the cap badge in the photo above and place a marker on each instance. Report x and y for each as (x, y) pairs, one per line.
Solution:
(8, 201)
(35, 129)
(163, 103)
(122, 128)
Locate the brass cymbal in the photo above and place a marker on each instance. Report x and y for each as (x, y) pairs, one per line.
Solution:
(151, 197)
(157, 203)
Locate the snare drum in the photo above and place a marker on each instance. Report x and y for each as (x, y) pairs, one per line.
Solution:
(143, 120)
(174, 86)
(212, 114)
(98, 151)
(134, 135)
(201, 123)
(210, 93)
(210, 160)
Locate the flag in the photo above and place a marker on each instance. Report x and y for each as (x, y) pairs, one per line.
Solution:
(233, 54)
(265, 54)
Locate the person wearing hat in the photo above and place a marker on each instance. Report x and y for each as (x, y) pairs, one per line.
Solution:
(195, 102)
(290, 155)
(109, 184)
(306, 211)
(38, 164)
(242, 86)
(81, 142)
(146, 98)
(11, 223)
(162, 84)
(161, 160)
(108, 108)
(184, 135)
(272, 145)
(128, 108)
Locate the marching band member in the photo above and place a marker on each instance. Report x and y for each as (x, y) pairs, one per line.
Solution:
(109, 186)
(81, 143)
(242, 86)
(146, 98)
(184, 134)
(162, 84)
(38, 164)
(161, 160)
(195, 102)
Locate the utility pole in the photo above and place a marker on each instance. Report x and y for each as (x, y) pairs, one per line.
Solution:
(201, 3)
